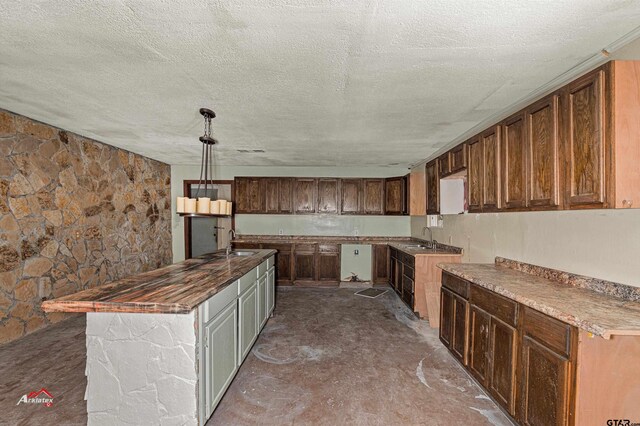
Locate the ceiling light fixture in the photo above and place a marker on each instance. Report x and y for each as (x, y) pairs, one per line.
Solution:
(206, 163)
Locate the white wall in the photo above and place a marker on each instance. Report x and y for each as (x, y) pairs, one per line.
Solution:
(292, 224)
(603, 244)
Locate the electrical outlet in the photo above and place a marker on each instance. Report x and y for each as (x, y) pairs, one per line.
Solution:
(356, 232)
(356, 252)
(280, 231)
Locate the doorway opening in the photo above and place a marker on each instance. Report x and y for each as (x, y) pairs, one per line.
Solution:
(207, 234)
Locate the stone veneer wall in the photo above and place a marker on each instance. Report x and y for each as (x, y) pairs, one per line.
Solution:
(74, 213)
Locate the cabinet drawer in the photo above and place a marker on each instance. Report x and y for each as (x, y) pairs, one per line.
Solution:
(215, 304)
(305, 248)
(407, 259)
(554, 334)
(500, 307)
(409, 272)
(455, 284)
(248, 280)
(329, 248)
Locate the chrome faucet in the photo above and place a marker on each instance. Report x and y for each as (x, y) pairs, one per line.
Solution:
(431, 240)
(232, 235)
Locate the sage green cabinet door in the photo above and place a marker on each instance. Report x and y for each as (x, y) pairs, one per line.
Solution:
(262, 300)
(248, 317)
(221, 354)
(271, 290)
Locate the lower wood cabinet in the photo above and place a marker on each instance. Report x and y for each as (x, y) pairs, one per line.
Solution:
(328, 264)
(380, 264)
(402, 271)
(523, 358)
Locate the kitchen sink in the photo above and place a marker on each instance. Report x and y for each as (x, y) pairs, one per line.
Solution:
(241, 253)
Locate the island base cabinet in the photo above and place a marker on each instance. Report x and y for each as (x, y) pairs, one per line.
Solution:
(220, 354)
(271, 290)
(248, 320)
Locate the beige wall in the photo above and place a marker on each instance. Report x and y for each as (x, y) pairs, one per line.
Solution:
(292, 224)
(598, 243)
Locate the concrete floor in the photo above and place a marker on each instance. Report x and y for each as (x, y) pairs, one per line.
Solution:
(326, 357)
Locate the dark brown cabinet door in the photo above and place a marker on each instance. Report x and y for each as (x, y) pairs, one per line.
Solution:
(407, 288)
(478, 344)
(394, 196)
(446, 316)
(433, 188)
(444, 164)
(503, 353)
(543, 153)
(491, 170)
(328, 195)
(475, 172)
(351, 199)
(585, 141)
(272, 199)
(329, 267)
(459, 333)
(373, 198)
(304, 260)
(545, 385)
(305, 195)
(458, 158)
(514, 163)
(380, 269)
(249, 195)
(407, 194)
(283, 262)
(285, 195)
(395, 270)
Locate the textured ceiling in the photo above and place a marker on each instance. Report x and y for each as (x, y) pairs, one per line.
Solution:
(310, 82)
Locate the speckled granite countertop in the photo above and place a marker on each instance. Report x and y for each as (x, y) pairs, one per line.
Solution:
(400, 243)
(599, 313)
(176, 288)
(440, 250)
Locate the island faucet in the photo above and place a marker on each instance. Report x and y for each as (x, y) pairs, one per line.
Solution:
(232, 235)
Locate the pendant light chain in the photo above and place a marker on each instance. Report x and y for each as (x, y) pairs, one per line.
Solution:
(206, 164)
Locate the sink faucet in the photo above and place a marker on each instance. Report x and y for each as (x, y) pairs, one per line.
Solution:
(431, 240)
(232, 235)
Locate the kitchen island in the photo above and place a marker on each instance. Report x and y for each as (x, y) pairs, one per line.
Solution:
(163, 346)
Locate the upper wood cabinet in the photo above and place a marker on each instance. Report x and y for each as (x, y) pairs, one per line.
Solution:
(576, 148)
(278, 193)
(305, 195)
(373, 197)
(249, 195)
(586, 141)
(543, 153)
(328, 195)
(444, 164)
(491, 169)
(433, 187)
(458, 158)
(514, 163)
(475, 179)
(395, 196)
(351, 197)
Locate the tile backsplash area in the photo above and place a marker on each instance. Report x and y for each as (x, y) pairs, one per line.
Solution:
(74, 213)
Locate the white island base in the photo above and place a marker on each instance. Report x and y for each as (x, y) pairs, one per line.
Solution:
(173, 369)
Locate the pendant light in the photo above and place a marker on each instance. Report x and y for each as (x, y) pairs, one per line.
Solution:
(206, 164)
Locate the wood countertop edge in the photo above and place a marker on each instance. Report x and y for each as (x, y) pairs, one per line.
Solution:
(566, 317)
(68, 304)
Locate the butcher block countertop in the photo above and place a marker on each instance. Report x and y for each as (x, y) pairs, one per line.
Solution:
(177, 288)
(560, 295)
